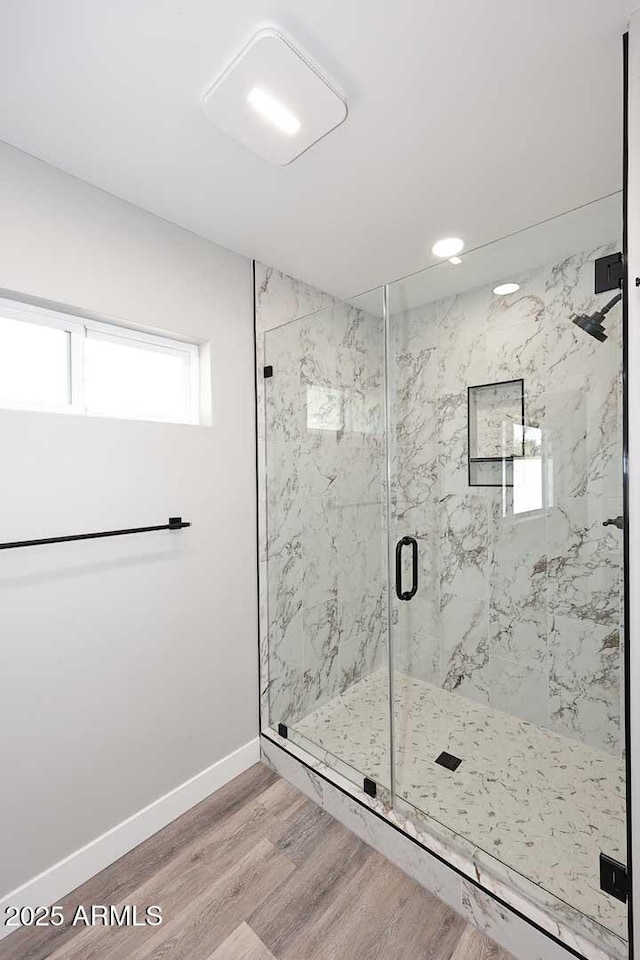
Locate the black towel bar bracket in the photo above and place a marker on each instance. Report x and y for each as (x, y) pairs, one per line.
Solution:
(175, 523)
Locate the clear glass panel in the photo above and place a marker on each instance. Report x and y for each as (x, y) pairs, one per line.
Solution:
(327, 537)
(129, 378)
(509, 656)
(34, 364)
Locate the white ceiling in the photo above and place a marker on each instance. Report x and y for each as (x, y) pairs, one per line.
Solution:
(511, 258)
(465, 117)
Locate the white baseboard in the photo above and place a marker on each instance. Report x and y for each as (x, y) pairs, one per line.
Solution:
(55, 883)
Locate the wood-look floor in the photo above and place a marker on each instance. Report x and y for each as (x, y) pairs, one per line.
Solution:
(258, 872)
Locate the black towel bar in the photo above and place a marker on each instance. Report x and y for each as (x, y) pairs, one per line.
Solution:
(175, 523)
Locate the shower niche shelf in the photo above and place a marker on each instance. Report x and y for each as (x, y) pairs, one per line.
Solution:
(496, 432)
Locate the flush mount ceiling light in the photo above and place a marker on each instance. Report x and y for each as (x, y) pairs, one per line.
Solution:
(455, 260)
(504, 289)
(447, 248)
(273, 100)
(273, 111)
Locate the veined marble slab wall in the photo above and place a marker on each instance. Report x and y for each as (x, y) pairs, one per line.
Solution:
(519, 608)
(321, 476)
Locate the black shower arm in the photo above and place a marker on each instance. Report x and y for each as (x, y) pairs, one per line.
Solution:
(610, 305)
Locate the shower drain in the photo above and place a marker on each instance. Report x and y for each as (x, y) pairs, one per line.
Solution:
(448, 760)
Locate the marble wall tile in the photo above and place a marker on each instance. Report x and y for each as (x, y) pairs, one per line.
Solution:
(535, 412)
(462, 342)
(416, 649)
(584, 561)
(361, 567)
(284, 498)
(517, 584)
(566, 430)
(359, 373)
(415, 474)
(319, 555)
(419, 518)
(415, 329)
(319, 338)
(520, 689)
(321, 649)
(321, 461)
(280, 298)
(584, 681)
(604, 441)
(323, 408)
(362, 410)
(360, 471)
(464, 647)
(515, 341)
(583, 432)
(463, 539)
(318, 466)
(363, 637)
(574, 358)
(286, 691)
(415, 397)
(284, 578)
(361, 521)
(453, 445)
(282, 393)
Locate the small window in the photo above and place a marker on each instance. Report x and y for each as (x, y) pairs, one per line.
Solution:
(52, 361)
(135, 375)
(36, 357)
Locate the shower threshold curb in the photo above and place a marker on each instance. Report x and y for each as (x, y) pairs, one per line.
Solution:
(519, 924)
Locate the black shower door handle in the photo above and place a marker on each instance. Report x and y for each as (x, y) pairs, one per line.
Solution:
(413, 543)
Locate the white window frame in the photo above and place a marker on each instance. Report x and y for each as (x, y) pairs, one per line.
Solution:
(188, 353)
(79, 329)
(43, 317)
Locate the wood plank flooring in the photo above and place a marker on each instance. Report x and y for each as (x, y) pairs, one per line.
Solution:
(258, 872)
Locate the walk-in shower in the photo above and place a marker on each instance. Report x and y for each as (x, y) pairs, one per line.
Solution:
(442, 592)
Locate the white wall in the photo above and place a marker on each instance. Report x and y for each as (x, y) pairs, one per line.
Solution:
(127, 665)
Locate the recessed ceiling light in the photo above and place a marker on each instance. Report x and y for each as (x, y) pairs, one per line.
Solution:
(449, 247)
(273, 111)
(503, 289)
(455, 260)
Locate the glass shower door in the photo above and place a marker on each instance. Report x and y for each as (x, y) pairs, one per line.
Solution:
(327, 537)
(506, 471)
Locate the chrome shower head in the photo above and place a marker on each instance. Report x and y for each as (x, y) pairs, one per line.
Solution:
(592, 323)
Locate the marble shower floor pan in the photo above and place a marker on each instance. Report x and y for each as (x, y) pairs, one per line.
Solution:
(543, 805)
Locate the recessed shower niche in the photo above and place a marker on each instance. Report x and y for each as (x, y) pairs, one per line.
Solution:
(496, 432)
